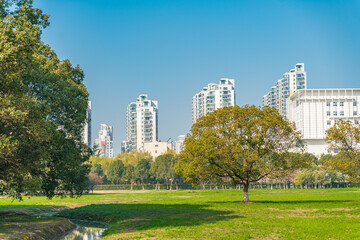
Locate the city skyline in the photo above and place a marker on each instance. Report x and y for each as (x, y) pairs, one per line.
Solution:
(163, 47)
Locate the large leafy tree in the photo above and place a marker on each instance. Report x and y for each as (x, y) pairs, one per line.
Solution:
(241, 144)
(43, 106)
(345, 137)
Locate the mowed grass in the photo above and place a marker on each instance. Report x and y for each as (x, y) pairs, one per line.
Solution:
(212, 214)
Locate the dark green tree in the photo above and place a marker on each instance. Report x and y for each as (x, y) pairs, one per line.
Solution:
(142, 171)
(96, 168)
(43, 106)
(115, 172)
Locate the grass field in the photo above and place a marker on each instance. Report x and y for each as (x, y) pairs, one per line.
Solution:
(212, 214)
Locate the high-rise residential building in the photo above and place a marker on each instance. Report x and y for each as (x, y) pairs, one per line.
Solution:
(179, 144)
(290, 82)
(104, 143)
(87, 127)
(316, 110)
(141, 123)
(212, 97)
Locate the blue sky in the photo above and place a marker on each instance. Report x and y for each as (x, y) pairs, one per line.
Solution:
(171, 49)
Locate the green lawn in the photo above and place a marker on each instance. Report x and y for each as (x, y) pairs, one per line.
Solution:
(212, 214)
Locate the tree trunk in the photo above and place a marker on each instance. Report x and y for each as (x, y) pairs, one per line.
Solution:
(246, 192)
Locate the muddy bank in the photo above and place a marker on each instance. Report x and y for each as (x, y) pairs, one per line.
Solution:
(20, 226)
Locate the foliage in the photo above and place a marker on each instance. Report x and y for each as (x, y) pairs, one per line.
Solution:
(94, 179)
(133, 157)
(43, 106)
(115, 172)
(163, 168)
(142, 171)
(96, 168)
(345, 137)
(243, 144)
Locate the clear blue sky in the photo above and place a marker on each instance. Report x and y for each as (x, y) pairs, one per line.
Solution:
(171, 49)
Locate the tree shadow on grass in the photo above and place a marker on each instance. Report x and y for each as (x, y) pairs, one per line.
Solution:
(287, 202)
(127, 217)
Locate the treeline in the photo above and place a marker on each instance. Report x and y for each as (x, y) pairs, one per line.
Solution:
(140, 168)
(319, 174)
(134, 168)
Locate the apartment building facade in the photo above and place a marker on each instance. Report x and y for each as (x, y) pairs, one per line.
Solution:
(141, 123)
(212, 97)
(290, 82)
(316, 110)
(104, 143)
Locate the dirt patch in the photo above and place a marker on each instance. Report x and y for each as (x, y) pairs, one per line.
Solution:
(124, 191)
(70, 205)
(269, 237)
(341, 209)
(32, 210)
(19, 226)
(183, 197)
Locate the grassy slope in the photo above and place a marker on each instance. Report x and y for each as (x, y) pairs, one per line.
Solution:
(283, 214)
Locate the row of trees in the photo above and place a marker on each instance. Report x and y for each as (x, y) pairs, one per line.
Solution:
(134, 167)
(248, 144)
(318, 174)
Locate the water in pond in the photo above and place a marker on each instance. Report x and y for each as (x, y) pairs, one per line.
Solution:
(86, 230)
(84, 233)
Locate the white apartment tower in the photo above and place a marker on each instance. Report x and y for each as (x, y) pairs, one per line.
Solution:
(316, 110)
(87, 127)
(212, 97)
(179, 144)
(291, 81)
(104, 144)
(141, 123)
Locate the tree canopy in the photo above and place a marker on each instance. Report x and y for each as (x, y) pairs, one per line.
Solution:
(43, 104)
(241, 144)
(345, 138)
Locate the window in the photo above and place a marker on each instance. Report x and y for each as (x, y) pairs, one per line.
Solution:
(335, 113)
(336, 121)
(355, 103)
(328, 104)
(355, 113)
(329, 122)
(341, 113)
(356, 121)
(341, 104)
(328, 113)
(334, 104)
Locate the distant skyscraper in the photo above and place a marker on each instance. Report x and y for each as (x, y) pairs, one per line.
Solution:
(87, 127)
(179, 144)
(291, 81)
(141, 123)
(212, 97)
(105, 141)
